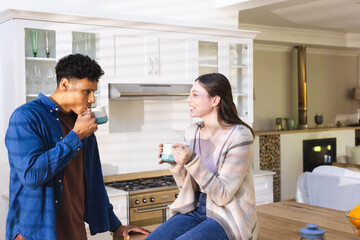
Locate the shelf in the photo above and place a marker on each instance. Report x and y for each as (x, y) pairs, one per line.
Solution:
(278, 132)
(40, 59)
(238, 67)
(208, 65)
(240, 94)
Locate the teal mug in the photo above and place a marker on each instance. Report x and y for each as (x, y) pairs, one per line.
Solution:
(167, 153)
(290, 124)
(100, 114)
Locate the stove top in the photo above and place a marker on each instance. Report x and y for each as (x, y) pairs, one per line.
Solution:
(139, 184)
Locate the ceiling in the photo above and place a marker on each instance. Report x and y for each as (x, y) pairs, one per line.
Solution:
(331, 15)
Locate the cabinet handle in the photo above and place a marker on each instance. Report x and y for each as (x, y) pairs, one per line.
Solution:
(151, 66)
(157, 70)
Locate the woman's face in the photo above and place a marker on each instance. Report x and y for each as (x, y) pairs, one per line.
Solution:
(200, 103)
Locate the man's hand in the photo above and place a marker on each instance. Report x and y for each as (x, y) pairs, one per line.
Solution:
(125, 230)
(85, 124)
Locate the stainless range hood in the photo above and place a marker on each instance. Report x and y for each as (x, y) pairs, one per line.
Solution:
(122, 91)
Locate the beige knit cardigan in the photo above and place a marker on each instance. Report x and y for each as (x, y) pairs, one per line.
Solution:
(230, 191)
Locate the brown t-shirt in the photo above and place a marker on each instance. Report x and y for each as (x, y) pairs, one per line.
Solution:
(70, 218)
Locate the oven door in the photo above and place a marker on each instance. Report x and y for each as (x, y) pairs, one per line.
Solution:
(148, 215)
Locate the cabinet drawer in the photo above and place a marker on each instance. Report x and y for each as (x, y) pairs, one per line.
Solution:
(264, 199)
(263, 185)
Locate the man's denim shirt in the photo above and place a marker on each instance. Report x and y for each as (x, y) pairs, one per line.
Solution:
(38, 153)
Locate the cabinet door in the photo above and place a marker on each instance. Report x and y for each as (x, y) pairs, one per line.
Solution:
(232, 58)
(174, 59)
(91, 41)
(240, 77)
(208, 56)
(152, 57)
(133, 62)
(40, 51)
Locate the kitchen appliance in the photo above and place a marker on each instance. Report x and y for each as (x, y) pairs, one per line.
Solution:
(149, 194)
(128, 91)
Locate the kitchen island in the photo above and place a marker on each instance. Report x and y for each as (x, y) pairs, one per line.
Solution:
(283, 220)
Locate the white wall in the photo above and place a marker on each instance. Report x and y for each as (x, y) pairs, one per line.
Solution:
(331, 75)
(291, 155)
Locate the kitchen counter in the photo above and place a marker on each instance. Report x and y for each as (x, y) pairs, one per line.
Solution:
(283, 221)
(277, 132)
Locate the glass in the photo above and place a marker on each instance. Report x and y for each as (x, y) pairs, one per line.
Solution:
(47, 40)
(353, 226)
(208, 57)
(50, 81)
(34, 37)
(37, 79)
(87, 44)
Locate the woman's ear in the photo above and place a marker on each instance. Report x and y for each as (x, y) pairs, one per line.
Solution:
(216, 100)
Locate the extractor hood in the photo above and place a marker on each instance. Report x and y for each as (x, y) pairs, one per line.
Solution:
(129, 91)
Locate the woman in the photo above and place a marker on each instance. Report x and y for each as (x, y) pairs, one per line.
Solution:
(213, 170)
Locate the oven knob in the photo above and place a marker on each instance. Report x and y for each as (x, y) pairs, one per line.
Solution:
(144, 200)
(137, 201)
(152, 199)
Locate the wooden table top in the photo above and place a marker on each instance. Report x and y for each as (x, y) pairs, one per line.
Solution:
(283, 221)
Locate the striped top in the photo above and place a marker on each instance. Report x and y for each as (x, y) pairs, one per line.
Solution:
(230, 191)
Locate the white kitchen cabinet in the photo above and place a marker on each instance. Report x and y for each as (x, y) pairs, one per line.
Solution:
(128, 51)
(36, 74)
(263, 184)
(233, 58)
(142, 56)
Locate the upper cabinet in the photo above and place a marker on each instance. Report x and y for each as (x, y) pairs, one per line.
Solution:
(231, 57)
(142, 56)
(40, 60)
(128, 51)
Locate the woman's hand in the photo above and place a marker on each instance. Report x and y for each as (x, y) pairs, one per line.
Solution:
(160, 152)
(182, 153)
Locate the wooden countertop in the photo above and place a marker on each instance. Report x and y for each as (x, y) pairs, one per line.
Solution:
(277, 132)
(283, 221)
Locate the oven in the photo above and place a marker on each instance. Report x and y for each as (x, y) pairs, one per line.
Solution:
(151, 207)
(148, 195)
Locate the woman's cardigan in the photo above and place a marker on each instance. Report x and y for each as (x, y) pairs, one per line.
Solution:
(230, 191)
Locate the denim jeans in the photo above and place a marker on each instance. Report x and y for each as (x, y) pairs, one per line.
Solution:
(194, 225)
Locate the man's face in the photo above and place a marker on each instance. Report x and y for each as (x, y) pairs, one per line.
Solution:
(81, 94)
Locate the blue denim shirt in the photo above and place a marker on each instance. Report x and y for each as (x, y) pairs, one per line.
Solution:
(38, 153)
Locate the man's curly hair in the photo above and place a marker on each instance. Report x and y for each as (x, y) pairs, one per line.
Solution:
(78, 66)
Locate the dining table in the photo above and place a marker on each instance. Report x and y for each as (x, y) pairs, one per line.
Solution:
(283, 221)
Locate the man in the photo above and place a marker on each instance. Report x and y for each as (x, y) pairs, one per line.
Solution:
(56, 181)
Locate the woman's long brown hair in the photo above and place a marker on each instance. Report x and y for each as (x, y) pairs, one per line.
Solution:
(217, 84)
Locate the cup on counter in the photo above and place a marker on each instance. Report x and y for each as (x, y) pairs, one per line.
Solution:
(100, 114)
(167, 154)
(290, 124)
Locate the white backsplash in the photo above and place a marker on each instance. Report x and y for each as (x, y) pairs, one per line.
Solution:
(136, 130)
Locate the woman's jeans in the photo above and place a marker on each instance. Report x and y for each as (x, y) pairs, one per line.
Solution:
(194, 225)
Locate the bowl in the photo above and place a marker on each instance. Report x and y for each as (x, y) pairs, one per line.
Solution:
(356, 231)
